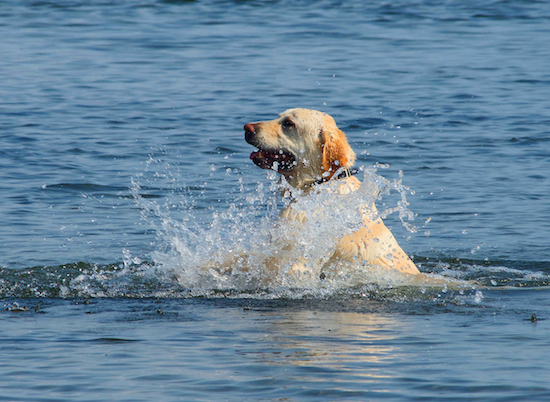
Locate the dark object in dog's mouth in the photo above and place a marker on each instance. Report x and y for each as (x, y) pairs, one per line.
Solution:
(280, 160)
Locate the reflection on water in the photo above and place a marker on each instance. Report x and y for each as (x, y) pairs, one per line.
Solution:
(335, 340)
(235, 349)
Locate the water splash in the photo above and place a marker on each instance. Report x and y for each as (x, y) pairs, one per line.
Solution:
(207, 247)
(244, 247)
(142, 279)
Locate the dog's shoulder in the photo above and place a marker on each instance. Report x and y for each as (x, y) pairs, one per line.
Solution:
(348, 185)
(343, 186)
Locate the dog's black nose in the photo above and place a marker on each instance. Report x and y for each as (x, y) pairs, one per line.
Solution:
(249, 132)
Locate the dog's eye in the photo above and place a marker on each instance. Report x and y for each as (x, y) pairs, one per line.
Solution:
(287, 123)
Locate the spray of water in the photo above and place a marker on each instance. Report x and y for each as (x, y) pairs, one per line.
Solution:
(221, 237)
(245, 247)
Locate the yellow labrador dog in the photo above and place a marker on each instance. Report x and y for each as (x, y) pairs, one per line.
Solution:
(308, 149)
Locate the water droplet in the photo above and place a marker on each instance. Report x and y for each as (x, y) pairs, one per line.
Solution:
(478, 297)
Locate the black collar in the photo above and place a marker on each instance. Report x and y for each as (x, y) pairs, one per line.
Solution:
(343, 175)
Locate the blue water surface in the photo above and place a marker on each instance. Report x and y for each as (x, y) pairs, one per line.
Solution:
(105, 101)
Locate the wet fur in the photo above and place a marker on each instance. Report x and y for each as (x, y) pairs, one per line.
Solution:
(320, 150)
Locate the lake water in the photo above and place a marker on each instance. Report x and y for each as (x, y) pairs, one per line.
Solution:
(124, 167)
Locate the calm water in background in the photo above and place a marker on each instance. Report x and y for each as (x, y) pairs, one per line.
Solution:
(103, 100)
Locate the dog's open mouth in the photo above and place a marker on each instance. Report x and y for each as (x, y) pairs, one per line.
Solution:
(282, 161)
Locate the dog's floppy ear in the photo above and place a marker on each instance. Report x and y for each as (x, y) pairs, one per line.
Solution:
(337, 152)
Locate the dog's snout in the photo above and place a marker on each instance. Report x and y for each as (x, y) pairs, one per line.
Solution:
(249, 132)
(250, 128)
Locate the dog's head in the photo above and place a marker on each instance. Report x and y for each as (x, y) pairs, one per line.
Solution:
(304, 145)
